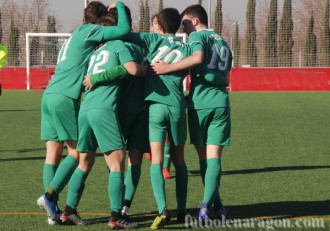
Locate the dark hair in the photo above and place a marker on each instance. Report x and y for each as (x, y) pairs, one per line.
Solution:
(196, 11)
(153, 17)
(94, 11)
(113, 13)
(169, 19)
(106, 21)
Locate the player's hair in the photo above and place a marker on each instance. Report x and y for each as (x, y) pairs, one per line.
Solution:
(113, 13)
(106, 21)
(94, 11)
(169, 19)
(196, 11)
(153, 17)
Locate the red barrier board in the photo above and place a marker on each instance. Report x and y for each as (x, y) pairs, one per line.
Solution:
(280, 79)
(15, 78)
(241, 78)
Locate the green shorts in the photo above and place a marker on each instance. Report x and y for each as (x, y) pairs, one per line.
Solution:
(209, 126)
(135, 131)
(59, 118)
(164, 118)
(99, 128)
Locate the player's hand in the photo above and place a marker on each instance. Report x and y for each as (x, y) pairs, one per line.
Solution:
(159, 67)
(111, 6)
(87, 82)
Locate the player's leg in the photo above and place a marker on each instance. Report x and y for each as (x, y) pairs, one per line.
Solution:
(54, 147)
(132, 178)
(218, 136)
(156, 175)
(65, 170)
(198, 122)
(76, 187)
(177, 137)
(66, 123)
(167, 159)
(157, 134)
(54, 152)
(135, 129)
(116, 163)
(110, 140)
(58, 123)
(53, 156)
(217, 126)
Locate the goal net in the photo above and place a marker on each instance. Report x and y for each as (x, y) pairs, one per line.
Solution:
(41, 57)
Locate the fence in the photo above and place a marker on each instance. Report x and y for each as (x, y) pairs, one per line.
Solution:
(309, 31)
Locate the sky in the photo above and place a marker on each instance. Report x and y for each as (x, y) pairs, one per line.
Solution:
(70, 12)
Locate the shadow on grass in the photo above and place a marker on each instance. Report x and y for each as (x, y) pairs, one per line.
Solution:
(267, 169)
(283, 209)
(279, 210)
(272, 209)
(32, 158)
(19, 110)
(23, 150)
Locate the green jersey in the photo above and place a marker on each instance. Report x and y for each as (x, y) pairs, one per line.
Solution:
(76, 51)
(165, 89)
(132, 91)
(106, 95)
(218, 59)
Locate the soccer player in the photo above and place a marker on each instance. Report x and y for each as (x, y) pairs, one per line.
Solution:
(99, 126)
(61, 100)
(3, 55)
(3, 59)
(167, 158)
(164, 95)
(133, 119)
(209, 109)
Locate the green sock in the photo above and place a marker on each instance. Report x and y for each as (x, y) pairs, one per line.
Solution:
(202, 167)
(48, 174)
(217, 201)
(181, 183)
(131, 181)
(116, 190)
(158, 186)
(167, 158)
(212, 177)
(63, 174)
(76, 187)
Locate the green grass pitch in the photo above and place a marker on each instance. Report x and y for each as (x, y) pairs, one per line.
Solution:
(277, 166)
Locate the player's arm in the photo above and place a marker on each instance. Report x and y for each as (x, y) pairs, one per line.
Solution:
(115, 73)
(142, 39)
(123, 26)
(135, 69)
(195, 59)
(160, 67)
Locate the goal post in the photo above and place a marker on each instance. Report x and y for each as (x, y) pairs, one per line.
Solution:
(42, 50)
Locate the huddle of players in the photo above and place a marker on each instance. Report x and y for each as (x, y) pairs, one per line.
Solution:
(121, 112)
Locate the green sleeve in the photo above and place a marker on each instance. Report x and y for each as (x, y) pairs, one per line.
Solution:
(117, 72)
(123, 27)
(136, 38)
